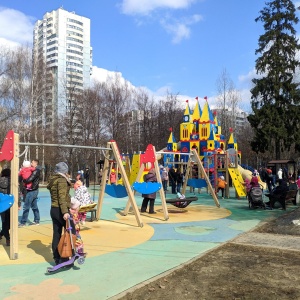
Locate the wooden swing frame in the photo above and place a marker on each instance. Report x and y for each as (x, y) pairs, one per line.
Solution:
(150, 158)
(10, 153)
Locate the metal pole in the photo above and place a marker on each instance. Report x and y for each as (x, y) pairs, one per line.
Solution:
(63, 146)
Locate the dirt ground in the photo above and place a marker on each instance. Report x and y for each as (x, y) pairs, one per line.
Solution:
(268, 269)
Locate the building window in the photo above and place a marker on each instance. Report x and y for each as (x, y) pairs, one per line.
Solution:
(74, 21)
(74, 40)
(74, 27)
(51, 43)
(74, 52)
(74, 46)
(70, 63)
(74, 33)
(52, 49)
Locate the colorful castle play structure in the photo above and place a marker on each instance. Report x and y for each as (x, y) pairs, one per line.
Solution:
(201, 131)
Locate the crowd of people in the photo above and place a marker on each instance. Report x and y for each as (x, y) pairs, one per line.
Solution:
(65, 207)
(277, 184)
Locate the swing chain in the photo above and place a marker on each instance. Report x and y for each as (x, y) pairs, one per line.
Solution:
(24, 152)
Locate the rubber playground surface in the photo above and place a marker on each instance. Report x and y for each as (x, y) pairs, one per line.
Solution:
(121, 254)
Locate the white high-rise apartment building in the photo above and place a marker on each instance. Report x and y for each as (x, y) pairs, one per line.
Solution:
(62, 57)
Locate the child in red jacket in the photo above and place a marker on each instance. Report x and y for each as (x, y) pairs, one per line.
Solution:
(25, 173)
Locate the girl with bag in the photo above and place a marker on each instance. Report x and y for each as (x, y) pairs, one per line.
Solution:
(59, 186)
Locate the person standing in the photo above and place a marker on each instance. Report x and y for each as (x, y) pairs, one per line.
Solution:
(59, 186)
(5, 215)
(172, 179)
(279, 175)
(298, 182)
(100, 176)
(179, 180)
(87, 177)
(150, 177)
(31, 196)
(164, 178)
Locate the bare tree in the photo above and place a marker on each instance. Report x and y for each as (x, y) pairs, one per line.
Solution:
(227, 102)
(15, 89)
(169, 118)
(117, 96)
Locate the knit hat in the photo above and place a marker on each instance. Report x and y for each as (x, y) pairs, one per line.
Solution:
(222, 177)
(26, 164)
(61, 167)
(74, 203)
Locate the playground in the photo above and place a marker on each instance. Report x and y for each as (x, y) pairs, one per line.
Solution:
(197, 244)
(122, 255)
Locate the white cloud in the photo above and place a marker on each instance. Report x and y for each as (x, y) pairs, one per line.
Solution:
(180, 29)
(15, 27)
(246, 79)
(144, 7)
(8, 44)
(103, 75)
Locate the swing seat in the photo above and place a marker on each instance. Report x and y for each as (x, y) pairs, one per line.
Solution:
(146, 187)
(87, 208)
(197, 183)
(116, 191)
(182, 203)
(6, 202)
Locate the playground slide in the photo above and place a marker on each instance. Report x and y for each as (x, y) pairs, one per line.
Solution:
(238, 181)
(248, 174)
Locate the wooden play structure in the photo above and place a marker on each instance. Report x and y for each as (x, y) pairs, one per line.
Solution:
(149, 159)
(9, 154)
(126, 189)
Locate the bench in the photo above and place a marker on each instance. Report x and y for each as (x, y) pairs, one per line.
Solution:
(291, 196)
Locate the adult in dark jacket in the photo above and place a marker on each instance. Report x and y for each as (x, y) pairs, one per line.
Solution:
(87, 177)
(150, 177)
(172, 179)
(59, 186)
(278, 194)
(5, 215)
(31, 196)
(179, 180)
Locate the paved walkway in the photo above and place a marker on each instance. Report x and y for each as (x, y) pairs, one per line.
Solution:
(287, 242)
(121, 254)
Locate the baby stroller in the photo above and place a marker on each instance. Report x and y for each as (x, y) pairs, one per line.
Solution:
(255, 198)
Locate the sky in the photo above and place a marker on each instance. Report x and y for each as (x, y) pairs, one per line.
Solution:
(175, 46)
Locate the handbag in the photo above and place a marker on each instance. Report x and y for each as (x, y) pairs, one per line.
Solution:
(65, 246)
